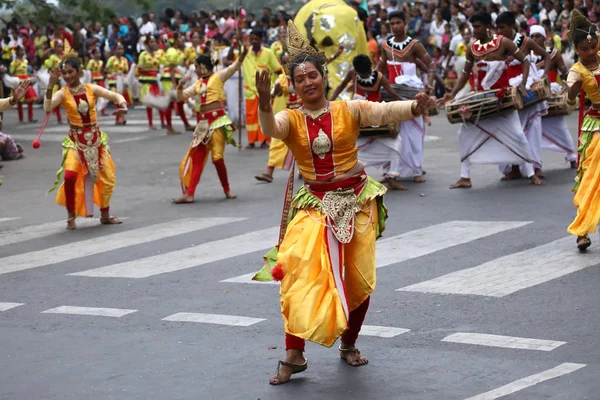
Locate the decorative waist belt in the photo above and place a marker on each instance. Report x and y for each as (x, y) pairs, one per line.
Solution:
(211, 116)
(593, 113)
(88, 139)
(339, 203)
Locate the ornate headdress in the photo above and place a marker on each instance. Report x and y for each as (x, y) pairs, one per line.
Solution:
(298, 46)
(581, 24)
(69, 53)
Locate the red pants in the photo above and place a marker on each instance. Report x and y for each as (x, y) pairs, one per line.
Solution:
(70, 179)
(29, 111)
(349, 337)
(199, 155)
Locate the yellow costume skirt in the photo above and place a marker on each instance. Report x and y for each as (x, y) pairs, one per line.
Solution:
(86, 192)
(587, 189)
(324, 279)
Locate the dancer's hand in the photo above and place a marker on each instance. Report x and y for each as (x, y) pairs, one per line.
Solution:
(20, 91)
(263, 84)
(423, 101)
(122, 110)
(243, 53)
(54, 77)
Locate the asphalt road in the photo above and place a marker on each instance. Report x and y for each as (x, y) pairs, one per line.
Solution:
(175, 317)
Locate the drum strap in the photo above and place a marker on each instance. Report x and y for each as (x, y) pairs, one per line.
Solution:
(287, 203)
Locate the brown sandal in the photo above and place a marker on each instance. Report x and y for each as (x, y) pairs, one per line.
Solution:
(583, 242)
(295, 370)
(71, 223)
(110, 221)
(264, 178)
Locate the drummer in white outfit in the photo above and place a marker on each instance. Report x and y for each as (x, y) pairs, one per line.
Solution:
(400, 57)
(530, 116)
(499, 139)
(555, 133)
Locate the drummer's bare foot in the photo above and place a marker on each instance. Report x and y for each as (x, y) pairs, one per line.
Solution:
(230, 195)
(462, 183)
(418, 179)
(515, 173)
(535, 180)
(171, 131)
(393, 185)
(189, 128)
(539, 173)
(185, 199)
(573, 164)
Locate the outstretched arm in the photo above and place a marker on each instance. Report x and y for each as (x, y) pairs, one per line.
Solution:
(276, 126)
(349, 76)
(376, 114)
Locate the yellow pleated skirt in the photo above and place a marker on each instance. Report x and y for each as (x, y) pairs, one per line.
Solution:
(587, 196)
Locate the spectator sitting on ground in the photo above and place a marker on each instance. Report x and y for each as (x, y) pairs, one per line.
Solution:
(9, 150)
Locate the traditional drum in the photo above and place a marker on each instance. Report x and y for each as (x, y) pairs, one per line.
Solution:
(557, 105)
(481, 105)
(408, 93)
(540, 90)
(405, 91)
(376, 132)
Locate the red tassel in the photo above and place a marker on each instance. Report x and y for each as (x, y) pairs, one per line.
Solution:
(277, 273)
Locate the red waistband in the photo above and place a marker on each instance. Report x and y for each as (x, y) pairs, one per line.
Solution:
(149, 74)
(356, 182)
(593, 113)
(212, 115)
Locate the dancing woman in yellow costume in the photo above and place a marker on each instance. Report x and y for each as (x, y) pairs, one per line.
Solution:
(89, 171)
(585, 74)
(214, 129)
(326, 258)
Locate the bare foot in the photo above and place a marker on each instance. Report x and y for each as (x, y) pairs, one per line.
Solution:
(230, 195)
(462, 183)
(171, 131)
(352, 356)
(393, 185)
(185, 199)
(189, 128)
(418, 179)
(539, 173)
(515, 173)
(293, 364)
(534, 180)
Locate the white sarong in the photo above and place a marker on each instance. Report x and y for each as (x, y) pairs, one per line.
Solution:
(557, 138)
(498, 140)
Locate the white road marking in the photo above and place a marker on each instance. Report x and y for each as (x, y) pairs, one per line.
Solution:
(202, 254)
(9, 219)
(95, 311)
(8, 306)
(409, 245)
(528, 381)
(509, 274)
(431, 138)
(131, 139)
(47, 229)
(508, 342)
(382, 331)
(230, 320)
(78, 249)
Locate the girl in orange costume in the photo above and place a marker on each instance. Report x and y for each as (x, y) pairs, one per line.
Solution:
(18, 68)
(89, 171)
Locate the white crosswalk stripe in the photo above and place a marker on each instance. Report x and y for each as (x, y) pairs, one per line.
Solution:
(509, 274)
(109, 242)
(407, 246)
(188, 258)
(91, 311)
(8, 306)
